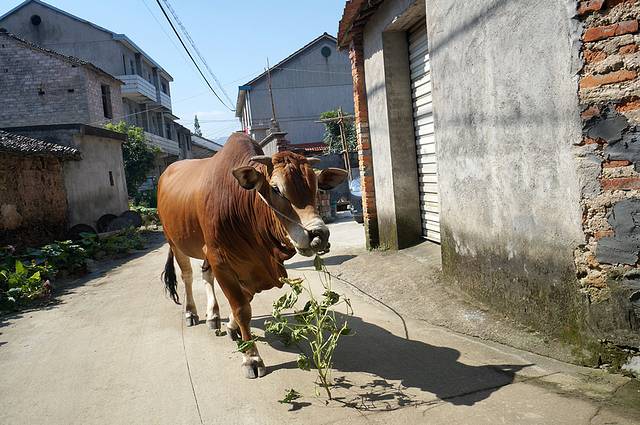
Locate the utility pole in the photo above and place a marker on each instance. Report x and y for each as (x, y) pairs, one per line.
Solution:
(273, 106)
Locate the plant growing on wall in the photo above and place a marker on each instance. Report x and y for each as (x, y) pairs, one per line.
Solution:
(137, 154)
(332, 136)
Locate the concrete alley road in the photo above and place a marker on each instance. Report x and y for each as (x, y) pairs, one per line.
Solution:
(116, 351)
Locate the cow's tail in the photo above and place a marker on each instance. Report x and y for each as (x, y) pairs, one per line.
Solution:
(169, 278)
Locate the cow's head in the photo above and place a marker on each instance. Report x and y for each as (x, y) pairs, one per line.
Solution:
(289, 187)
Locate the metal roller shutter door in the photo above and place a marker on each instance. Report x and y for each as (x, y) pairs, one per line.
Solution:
(424, 132)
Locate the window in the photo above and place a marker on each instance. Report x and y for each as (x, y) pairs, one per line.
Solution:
(133, 68)
(165, 89)
(111, 178)
(106, 101)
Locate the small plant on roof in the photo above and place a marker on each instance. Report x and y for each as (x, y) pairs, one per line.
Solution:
(315, 329)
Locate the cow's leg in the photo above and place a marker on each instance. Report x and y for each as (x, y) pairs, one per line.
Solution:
(191, 313)
(213, 310)
(252, 364)
(233, 330)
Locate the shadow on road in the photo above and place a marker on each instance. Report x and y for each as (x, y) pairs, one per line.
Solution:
(373, 350)
(334, 260)
(154, 240)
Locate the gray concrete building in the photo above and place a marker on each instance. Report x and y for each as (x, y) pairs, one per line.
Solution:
(503, 132)
(314, 79)
(146, 92)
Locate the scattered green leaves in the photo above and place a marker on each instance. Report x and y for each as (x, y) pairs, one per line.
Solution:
(315, 328)
(290, 396)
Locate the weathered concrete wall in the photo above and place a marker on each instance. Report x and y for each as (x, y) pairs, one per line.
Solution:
(309, 85)
(609, 159)
(386, 66)
(33, 205)
(90, 191)
(506, 118)
(66, 35)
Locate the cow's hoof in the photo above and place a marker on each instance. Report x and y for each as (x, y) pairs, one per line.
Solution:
(234, 334)
(255, 369)
(192, 320)
(214, 324)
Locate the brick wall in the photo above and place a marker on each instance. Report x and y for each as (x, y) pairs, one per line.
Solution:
(33, 203)
(609, 155)
(94, 98)
(37, 88)
(356, 56)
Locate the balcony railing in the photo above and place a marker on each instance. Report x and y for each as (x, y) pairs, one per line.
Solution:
(166, 145)
(137, 88)
(165, 100)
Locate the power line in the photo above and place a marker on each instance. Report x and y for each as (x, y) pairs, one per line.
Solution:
(190, 56)
(195, 48)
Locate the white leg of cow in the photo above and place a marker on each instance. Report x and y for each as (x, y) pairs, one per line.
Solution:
(191, 313)
(233, 329)
(213, 310)
(252, 363)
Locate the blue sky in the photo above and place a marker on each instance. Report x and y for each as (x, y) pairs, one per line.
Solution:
(235, 37)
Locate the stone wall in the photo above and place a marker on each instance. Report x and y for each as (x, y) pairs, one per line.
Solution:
(609, 165)
(33, 204)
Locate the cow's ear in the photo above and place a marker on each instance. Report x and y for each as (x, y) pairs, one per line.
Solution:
(248, 177)
(329, 178)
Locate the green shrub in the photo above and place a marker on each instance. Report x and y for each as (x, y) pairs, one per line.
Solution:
(26, 276)
(22, 284)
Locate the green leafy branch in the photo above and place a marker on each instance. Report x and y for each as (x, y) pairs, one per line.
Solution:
(315, 327)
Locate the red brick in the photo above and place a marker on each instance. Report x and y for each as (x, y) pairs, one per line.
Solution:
(590, 112)
(613, 77)
(629, 48)
(598, 33)
(590, 141)
(628, 105)
(616, 163)
(591, 56)
(599, 234)
(589, 6)
(621, 183)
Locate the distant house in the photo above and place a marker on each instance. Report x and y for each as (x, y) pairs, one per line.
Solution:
(33, 202)
(49, 96)
(314, 79)
(204, 148)
(145, 98)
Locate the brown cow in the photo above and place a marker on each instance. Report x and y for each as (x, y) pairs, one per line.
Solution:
(244, 214)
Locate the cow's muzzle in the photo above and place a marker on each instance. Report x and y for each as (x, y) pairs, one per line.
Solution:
(319, 240)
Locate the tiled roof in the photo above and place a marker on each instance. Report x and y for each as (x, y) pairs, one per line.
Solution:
(69, 59)
(22, 145)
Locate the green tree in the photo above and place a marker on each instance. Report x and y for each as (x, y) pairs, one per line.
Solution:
(196, 127)
(332, 132)
(137, 154)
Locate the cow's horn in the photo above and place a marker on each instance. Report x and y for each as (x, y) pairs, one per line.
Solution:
(262, 159)
(312, 160)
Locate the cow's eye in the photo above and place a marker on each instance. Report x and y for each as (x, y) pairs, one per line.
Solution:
(276, 190)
